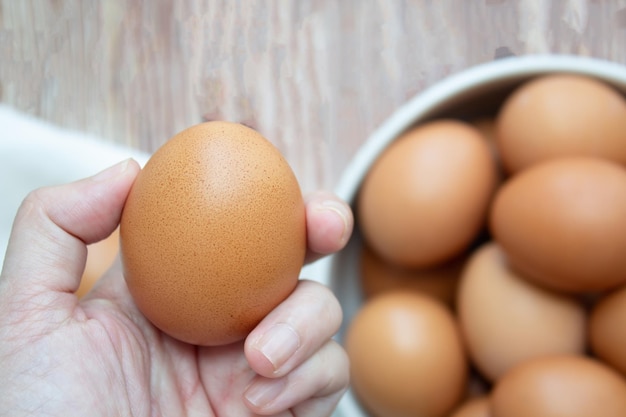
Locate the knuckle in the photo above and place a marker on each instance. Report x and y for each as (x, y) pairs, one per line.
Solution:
(332, 308)
(325, 303)
(37, 196)
(337, 376)
(32, 203)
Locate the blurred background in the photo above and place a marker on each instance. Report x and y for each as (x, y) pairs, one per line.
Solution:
(316, 77)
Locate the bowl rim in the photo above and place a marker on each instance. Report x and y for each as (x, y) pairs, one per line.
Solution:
(463, 81)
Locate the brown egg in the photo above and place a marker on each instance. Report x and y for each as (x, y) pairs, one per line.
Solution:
(572, 386)
(213, 233)
(607, 329)
(100, 257)
(507, 320)
(379, 276)
(406, 356)
(475, 407)
(562, 221)
(558, 115)
(426, 198)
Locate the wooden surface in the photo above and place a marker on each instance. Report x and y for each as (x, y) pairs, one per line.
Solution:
(315, 77)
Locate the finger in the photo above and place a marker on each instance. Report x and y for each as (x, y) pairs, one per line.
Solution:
(294, 330)
(311, 390)
(47, 248)
(329, 224)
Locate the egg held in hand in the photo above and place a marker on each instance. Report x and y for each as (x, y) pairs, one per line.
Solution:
(213, 233)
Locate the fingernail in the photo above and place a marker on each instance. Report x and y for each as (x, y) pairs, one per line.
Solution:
(278, 344)
(112, 171)
(264, 391)
(339, 209)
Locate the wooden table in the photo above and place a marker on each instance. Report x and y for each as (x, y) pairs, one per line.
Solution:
(315, 77)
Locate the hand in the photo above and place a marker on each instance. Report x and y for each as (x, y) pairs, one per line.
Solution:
(100, 357)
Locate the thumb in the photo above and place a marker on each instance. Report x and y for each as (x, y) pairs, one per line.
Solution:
(47, 248)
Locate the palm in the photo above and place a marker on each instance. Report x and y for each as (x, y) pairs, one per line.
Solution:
(146, 371)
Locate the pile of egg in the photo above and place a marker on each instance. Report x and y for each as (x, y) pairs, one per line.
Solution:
(494, 261)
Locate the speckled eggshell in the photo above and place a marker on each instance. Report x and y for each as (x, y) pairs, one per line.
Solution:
(213, 233)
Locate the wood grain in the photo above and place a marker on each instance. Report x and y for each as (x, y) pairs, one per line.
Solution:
(315, 77)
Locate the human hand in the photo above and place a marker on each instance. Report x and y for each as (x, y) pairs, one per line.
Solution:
(100, 356)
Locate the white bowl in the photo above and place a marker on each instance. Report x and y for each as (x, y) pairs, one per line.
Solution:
(484, 86)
